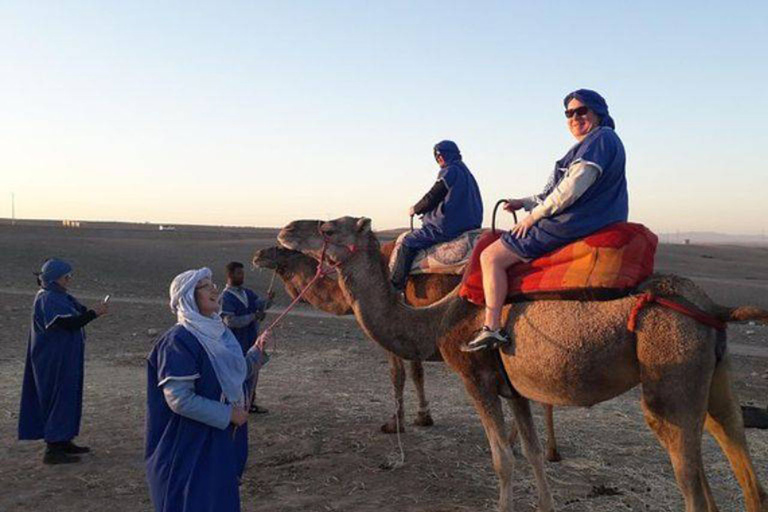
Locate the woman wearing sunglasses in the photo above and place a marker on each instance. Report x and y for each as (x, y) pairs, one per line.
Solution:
(586, 191)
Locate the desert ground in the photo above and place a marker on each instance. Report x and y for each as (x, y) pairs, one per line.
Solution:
(327, 389)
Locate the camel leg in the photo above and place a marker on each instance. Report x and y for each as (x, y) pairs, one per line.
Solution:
(521, 408)
(423, 416)
(724, 422)
(675, 413)
(488, 407)
(553, 455)
(397, 374)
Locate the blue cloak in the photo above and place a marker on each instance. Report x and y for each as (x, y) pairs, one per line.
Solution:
(605, 202)
(52, 391)
(231, 305)
(191, 466)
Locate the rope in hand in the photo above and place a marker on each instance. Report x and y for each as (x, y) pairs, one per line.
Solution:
(261, 341)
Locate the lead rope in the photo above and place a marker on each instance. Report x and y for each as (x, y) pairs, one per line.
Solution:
(261, 341)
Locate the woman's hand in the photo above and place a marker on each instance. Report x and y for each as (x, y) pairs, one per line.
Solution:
(101, 309)
(521, 228)
(239, 417)
(513, 205)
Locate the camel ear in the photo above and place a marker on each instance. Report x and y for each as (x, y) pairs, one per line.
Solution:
(363, 225)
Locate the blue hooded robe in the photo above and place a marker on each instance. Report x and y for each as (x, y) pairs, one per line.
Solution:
(605, 202)
(460, 210)
(191, 466)
(232, 305)
(52, 391)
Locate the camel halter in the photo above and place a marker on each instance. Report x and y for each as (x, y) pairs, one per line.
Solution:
(321, 272)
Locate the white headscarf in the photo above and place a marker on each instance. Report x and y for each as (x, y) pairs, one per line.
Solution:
(218, 341)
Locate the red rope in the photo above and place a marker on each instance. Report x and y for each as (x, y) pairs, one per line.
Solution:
(320, 273)
(697, 314)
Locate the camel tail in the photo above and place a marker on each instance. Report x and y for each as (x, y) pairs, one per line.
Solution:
(742, 314)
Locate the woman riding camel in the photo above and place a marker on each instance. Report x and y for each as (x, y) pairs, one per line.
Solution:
(586, 192)
(452, 206)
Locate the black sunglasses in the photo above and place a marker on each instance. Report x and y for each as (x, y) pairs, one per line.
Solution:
(579, 111)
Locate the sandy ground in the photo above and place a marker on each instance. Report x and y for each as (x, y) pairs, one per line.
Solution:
(327, 388)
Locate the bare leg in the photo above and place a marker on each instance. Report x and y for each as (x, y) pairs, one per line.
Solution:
(724, 422)
(495, 260)
(552, 454)
(521, 408)
(397, 374)
(423, 416)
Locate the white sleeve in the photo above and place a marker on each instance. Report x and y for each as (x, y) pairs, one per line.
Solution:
(579, 177)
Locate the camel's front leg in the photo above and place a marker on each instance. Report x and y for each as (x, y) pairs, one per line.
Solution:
(423, 417)
(397, 374)
(521, 408)
(553, 455)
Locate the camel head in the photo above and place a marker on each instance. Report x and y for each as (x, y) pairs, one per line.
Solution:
(341, 237)
(278, 258)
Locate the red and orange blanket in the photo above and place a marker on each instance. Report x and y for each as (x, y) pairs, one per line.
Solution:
(613, 260)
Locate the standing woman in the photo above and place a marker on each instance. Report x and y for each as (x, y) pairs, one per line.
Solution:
(52, 392)
(196, 400)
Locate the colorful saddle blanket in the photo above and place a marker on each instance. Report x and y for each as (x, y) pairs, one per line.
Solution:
(606, 264)
(450, 257)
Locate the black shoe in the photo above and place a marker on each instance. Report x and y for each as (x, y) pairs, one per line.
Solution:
(59, 457)
(72, 448)
(487, 339)
(255, 409)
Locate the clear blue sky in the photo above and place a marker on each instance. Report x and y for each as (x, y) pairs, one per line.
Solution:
(253, 113)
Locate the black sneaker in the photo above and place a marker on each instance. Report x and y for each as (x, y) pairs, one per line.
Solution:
(487, 339)
(59, 457)
(72, 448)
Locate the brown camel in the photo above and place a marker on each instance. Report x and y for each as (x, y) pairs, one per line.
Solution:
(563, 353)
(297, 269)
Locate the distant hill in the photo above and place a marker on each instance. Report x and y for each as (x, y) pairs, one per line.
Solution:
(712, 238)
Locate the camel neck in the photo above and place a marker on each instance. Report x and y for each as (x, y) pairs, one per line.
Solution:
(411, 333)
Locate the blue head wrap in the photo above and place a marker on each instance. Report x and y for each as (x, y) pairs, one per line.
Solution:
(53, 269)
(448, 150)
(595, 103)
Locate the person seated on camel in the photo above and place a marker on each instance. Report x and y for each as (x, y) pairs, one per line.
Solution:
(586, 192)
(451, 207)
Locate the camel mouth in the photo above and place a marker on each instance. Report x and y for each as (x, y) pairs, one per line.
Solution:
(261, 259)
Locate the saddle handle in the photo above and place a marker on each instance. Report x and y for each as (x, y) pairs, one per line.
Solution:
(495, 209)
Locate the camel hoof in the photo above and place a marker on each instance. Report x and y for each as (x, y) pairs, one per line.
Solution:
(390, 427)
(553, 456)
(423, 419)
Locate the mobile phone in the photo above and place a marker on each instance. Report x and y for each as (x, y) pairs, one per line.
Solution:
(106, 298)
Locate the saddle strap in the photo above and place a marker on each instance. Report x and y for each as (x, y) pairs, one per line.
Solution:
(688, 310)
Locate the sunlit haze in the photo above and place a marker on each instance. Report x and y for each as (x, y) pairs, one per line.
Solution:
(251, 113)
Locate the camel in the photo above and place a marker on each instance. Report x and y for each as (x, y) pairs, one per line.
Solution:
(296, 270)
(564, 352)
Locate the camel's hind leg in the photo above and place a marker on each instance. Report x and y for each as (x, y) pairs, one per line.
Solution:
(724, 422)
(674, 409)
(397, 374)
(553, 455)
(423, 416)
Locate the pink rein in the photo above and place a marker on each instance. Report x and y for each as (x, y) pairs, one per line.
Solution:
(321, 272)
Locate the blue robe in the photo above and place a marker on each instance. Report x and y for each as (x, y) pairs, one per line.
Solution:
(460, 210)
(604, 202)
(52, 391)
(191, 466)
(231, 305)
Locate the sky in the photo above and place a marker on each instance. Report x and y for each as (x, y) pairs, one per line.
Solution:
(258, 113)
